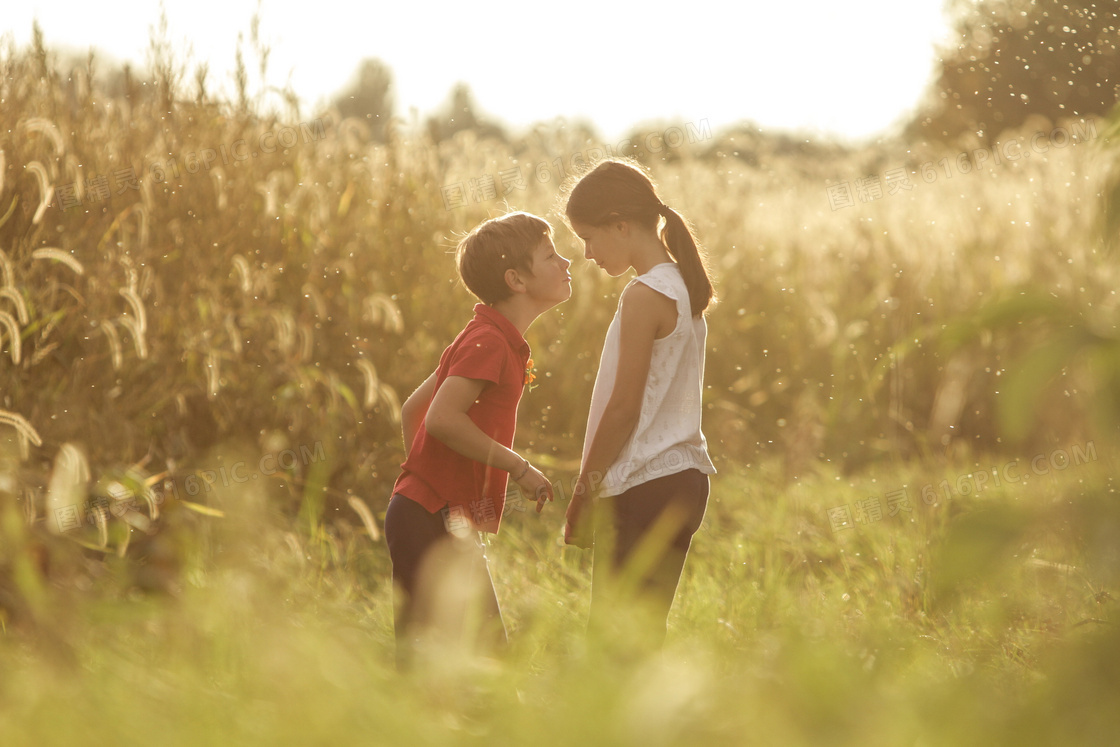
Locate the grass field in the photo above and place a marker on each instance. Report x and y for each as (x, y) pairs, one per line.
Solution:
(210, 312)
(917, 629)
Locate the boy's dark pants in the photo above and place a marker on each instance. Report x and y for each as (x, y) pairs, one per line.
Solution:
(645, 534)
(441, 582)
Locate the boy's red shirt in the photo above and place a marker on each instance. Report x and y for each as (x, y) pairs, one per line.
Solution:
(434, 475)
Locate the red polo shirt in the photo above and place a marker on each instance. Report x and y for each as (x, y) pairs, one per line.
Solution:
(489, 348)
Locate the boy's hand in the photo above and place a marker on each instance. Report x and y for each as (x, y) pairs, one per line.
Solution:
(577, 529)
(534, 483)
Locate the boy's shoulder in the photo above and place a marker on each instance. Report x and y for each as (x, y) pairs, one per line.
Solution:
(484, 347)
(481, 333)
(491, 326)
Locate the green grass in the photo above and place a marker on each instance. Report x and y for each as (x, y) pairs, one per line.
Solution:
(784, 632)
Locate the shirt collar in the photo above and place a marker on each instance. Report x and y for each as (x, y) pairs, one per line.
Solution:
(491, 316)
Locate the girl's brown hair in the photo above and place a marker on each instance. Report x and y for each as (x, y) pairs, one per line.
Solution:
(620, 190)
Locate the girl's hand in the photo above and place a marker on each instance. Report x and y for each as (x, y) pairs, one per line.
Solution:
(577, 529)
(534, 483)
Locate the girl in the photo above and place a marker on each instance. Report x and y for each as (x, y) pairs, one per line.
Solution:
(644, 455)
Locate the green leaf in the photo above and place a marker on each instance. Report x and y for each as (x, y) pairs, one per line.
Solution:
(1029, 377)
(1007, 312)
(204, 510)
(977, 547)
(11, 209)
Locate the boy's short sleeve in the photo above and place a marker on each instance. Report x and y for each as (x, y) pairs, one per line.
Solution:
(479, 357)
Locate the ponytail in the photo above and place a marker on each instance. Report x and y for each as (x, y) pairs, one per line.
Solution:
(681, 243)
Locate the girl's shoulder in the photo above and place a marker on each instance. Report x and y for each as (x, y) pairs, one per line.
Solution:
(638, 293)
(644, 307)
(664, 278)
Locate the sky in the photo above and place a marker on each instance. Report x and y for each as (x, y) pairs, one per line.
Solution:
(821, 68)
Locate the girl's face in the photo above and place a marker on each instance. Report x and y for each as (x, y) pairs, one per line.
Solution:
(605, 246)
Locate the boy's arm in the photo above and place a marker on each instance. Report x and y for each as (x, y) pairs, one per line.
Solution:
(645, 313)
(414, 409)
(447, 420)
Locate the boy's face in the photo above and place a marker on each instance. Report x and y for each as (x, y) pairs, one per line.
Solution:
(550, 281)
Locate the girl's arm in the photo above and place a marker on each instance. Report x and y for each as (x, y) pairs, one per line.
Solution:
(647, 316)
(414, 409)
(447, 420)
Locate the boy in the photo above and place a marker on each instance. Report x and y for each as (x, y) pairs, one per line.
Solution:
(458, 432)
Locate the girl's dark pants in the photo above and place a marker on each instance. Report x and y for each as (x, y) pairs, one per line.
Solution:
(678, 501)
(431, 568)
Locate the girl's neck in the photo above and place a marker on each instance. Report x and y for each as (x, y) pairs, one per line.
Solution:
(648, 253)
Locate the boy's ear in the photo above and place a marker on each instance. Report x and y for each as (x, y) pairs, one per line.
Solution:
(514, 281)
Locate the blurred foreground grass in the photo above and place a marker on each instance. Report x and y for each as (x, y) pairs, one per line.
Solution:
(912, 629)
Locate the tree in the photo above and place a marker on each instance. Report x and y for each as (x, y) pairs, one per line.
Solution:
(459, 114)
(369, 97)
(1017, 58)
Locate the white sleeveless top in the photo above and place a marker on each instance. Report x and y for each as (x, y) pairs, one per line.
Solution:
(667, 438)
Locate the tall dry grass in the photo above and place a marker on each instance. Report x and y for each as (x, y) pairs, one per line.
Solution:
(239, 296)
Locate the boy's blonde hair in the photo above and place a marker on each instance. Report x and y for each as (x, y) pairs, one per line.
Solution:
(497, 245)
